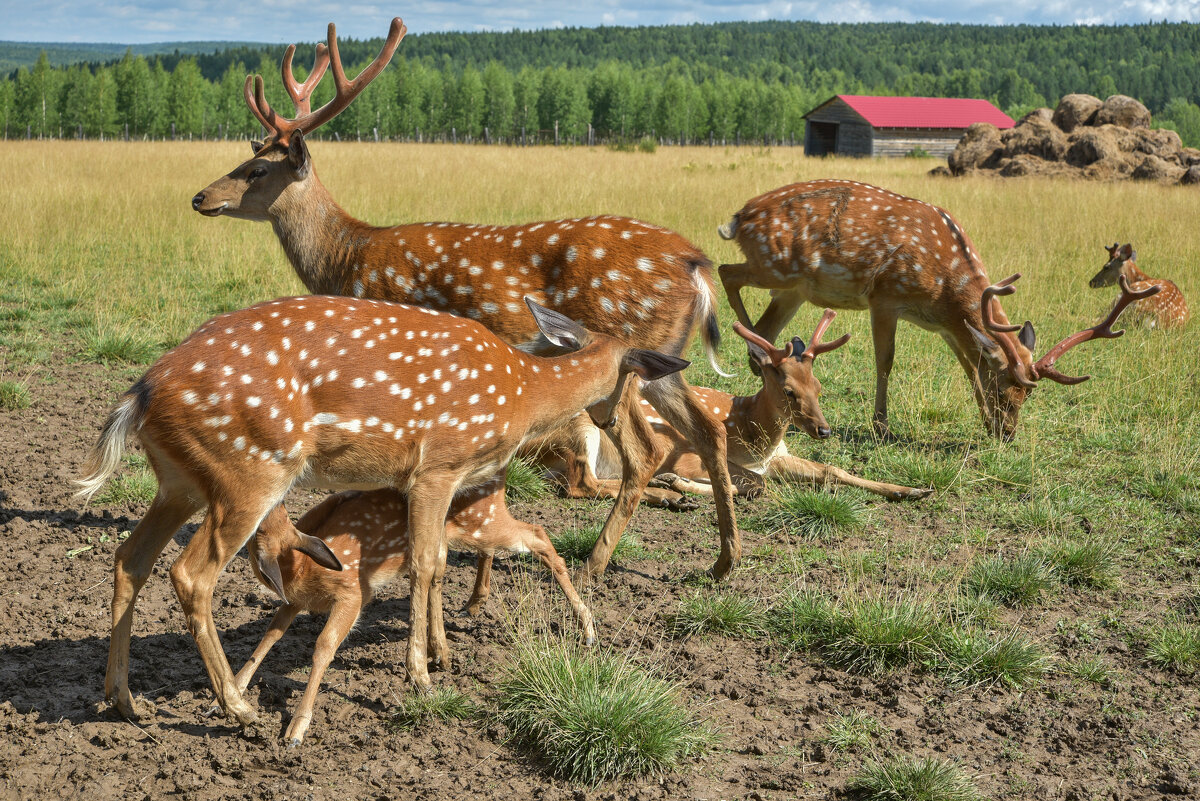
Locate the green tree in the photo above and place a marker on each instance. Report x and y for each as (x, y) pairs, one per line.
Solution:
(8, 105)
(563, 101)
(499, 102)
(74, 89)
(186, 99)
(137, 102)
(1184, 117)
(100, 117)
(526, 91)
(466, 104)
(37, 98)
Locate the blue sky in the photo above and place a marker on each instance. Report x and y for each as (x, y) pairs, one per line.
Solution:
(142, 21)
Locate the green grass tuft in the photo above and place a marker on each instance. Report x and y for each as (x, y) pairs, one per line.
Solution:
(1089, 668)
(444, 703)
(1088, 564)
(138, 485)
(1176, 646)
(851, 731)
(119, 346)
(593, 716)
(816, 515)
(14, 395)
(975, 657)
(919, 469)
(906, 779)
(524, 482)
(1013, 582)
(727, 614)
(575, 545)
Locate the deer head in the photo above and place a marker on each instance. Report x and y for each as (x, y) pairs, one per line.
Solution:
(283, 161)
(1007, 371)
(788, 377)
(277, 536)
(1117, 256)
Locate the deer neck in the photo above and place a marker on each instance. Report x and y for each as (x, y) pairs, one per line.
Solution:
(581, 379)
(1132, 273)
(321, 240)
(757, 424)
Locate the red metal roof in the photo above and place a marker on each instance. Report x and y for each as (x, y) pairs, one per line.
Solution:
(925, 112)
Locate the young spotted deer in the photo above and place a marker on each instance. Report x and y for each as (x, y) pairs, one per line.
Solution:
(1167, 309)
(345, 549)
(617, 276)
(849, 245)
(755, 427)
(344, 393)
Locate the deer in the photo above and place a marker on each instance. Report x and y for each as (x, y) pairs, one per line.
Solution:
(341, 393)
(615, 275)
(1167, 309)
(755, 426)
(850, 245)
(352, 544)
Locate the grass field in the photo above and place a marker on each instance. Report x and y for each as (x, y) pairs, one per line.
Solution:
(1030, 560)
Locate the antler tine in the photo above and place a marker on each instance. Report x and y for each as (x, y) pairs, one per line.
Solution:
(815, 346)
(1005, 287)
(346, 90)
(777, 355)
(257, 101)
(301, 92)
(1044, 368)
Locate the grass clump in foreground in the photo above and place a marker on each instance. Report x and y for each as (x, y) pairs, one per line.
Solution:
(593, 715)
(14, 395)
(119, 346)
(905, 779)
(575, 545)
(136, 486)
(851, 731)
(1088, 564)
(975, 657)
(726, 614)
(1177, 646)
(444, 703)
(524, 482)
(814, 515)
(1013, 582)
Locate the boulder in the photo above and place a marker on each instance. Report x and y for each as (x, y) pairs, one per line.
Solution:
(1028, 164)
(1042, 113)
(1113, 168)
(1161, 142)
(978, 148)
(941, 171)
(1189, 156)
(1152, 168)
(1089, 145)
(1123, 111)
(1035, 136)
(1192, 176)
(1074, 111)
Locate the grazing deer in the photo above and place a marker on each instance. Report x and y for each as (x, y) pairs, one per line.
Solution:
(755, 427)
(1167, 309)
(617, 276)
(849, 245)
(345, 549)
(344, 393)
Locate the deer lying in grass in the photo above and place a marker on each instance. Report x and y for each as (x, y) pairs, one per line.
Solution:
(1167, 309)
(849, 245)
(755, 427)
(626, 278)
(345, 549)
(341, 393)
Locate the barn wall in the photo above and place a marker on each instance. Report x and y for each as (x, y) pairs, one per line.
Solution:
(900, 141)
(854, 135)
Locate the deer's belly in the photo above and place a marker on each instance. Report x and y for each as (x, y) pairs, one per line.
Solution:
(833, 285)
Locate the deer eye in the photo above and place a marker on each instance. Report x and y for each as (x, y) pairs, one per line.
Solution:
(791, 395)
(257, 172)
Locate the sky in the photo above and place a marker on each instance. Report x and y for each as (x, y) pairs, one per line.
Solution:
(279, 21)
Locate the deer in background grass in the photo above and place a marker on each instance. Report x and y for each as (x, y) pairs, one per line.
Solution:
(343, 393)
(617, 276)
(755, 427)
(1167, 309)
(849, 245)
(369, 531)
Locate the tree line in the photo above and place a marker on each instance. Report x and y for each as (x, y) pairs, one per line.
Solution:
(730, 82)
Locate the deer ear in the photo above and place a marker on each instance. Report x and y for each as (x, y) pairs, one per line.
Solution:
(798, 348)
(268, 566)
(316, 549)
(758, 354)
(255, 147)
(650, 364)
(560, 329)
(298, 155)
(1127, 252)
(991, 351)
(1027, 337)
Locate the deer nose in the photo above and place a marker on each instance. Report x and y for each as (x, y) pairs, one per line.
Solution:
(824, 432)
(197, 200)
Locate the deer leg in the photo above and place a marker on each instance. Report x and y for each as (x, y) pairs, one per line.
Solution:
(733, 278)
(279, 625)
(534, 538)
(439, 648)
(780, 311)
(676, 402)
(134, 560)
(342, 618)
(793, 468)
(428, 502)
(224, 530)
(883, 337)
(483, 584)
(640, 454)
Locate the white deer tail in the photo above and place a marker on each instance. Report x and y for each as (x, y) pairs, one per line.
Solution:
(105, 455)
(706, 313)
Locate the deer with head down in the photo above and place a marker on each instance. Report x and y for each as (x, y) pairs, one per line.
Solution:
(849, 245)
(617, 276)
(352, 544)
(1167, 309)
(343, 393)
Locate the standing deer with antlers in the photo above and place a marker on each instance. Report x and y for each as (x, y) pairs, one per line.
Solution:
(850, 245)
(1167, 309)
(343, 393)
(617, 276)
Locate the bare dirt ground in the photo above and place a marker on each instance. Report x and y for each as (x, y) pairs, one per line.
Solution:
(1064, 739)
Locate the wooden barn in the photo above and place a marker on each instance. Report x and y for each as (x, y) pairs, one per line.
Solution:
(858, 125)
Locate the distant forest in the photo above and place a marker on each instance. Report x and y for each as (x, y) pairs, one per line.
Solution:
(749, 82)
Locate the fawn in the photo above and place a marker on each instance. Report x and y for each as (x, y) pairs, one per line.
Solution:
(1167, 309)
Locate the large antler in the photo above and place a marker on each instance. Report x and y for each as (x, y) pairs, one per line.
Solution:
(1016, 367)
(776, 355)
(346, 90)
(1044, 368)
(815, 346)
(796, 346)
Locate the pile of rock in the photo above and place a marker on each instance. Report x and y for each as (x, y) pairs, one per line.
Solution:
(1083, 137)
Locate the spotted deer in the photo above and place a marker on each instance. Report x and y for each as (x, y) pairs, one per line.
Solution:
(755, 426)
(352, 544)
(617, 276)
(343, 393)
(849, 245)
(1167, 309)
